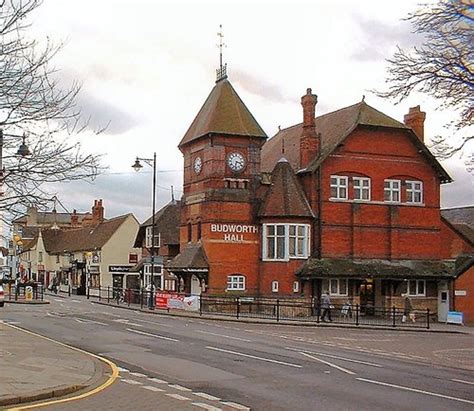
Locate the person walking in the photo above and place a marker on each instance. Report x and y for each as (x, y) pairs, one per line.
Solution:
(150, 289)
(326, 307)
(408, 311)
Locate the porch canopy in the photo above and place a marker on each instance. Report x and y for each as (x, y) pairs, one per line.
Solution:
(191, 260)
(384, 269)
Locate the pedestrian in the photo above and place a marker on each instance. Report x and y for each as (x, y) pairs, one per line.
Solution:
(150, 289)
(326, 307)
(408, 311)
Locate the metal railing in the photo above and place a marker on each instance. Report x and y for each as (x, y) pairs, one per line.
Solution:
(304, 310)
(24, 292)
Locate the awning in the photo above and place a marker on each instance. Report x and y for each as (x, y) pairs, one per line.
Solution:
(191, 259)
(385, 269)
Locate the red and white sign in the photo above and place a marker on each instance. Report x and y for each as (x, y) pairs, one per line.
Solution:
(168, 300)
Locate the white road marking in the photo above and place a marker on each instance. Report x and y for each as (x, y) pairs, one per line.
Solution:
(328, 363)
(224, 336)
(255, 357)
(206, 396)
(462, 381)
(76, 301)
(206, 406)
(85, 320)
(58, 299)
(400, 387)
(123, 369)
(178, 387)
(236, 406)
(152, 335)
(138, 374)
(127, 322)
(335, 357)
(131, 382)
(153, 322)
(150, 388)
(178, 397)
(158, 381)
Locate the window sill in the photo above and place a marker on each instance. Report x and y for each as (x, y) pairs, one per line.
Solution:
(387, 203)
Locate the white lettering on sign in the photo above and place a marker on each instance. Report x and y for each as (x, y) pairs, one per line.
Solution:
(234, 233)
(460, 293)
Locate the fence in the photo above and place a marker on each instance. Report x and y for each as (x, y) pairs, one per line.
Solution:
(304, 310)
(24, 292)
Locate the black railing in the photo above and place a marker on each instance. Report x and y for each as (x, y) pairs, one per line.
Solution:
(24, 292)
(277, 309)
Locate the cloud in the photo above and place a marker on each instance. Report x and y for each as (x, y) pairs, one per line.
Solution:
(100, 113)
(260, 87)
(378, 39)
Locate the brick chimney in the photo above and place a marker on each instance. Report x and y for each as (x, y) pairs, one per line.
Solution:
(415, 119)
(309, 141)
(97, 212)
(74, 218)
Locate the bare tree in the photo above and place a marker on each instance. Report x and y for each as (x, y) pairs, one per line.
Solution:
(33, 102)
(442, 67)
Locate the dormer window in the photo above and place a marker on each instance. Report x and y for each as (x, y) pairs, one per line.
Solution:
(149, 235)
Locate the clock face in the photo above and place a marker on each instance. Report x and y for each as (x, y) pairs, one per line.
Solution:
(236, 161)
(197, 165)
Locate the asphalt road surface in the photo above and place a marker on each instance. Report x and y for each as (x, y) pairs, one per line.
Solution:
(180, 363)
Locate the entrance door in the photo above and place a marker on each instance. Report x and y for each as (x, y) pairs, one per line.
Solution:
(443, 302)
(367, 297)
(117, 280)
(195, 285)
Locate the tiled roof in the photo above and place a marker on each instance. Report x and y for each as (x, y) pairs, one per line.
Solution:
(49, 217)
(192, 256)
(166, 223)
(81, 239)
(334, 127)
(466, 231)
(223, 112)
(459, 215)
(285, 197)
(401, 269)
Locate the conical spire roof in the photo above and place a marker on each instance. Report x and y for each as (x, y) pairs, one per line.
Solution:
(225, 113)
(285, 197)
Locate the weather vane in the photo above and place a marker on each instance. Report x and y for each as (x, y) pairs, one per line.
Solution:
(221, 72)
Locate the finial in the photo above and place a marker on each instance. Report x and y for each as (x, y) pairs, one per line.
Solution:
(221, 72)
(172, 194)
(363, 97)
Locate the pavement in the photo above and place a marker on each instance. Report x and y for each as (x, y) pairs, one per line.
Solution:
(36, 368)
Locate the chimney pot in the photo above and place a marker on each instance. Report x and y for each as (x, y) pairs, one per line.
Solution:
(415, 119)
(309, 141)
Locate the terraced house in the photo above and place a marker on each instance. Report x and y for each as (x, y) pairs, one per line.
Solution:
(347, 201)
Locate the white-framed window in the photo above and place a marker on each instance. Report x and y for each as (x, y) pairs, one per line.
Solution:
(285, 241)
(298, 235)
(361, 188)
(414, 191)
(157, 275)
(274, 286)
(416, 288)
(391, 190)
(339, 187)
(236, 282)
(40, 256)
(148, 235)
(296, 286)
(336, 286)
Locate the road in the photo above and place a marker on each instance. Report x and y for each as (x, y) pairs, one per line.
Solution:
(181, 363)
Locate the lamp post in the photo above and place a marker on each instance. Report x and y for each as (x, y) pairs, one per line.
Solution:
(137, 167)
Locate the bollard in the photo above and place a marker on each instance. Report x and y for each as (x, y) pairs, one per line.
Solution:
(88, 292)
(200, 304)
(428, 318)
(278, 310)
(357, 314)
(393, 316)
(141, 299)
(108, 294)
(69, 290)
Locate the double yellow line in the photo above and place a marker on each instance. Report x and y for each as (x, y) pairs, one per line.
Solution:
(110, 380)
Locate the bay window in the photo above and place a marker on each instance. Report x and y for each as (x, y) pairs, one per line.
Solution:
(285, 241)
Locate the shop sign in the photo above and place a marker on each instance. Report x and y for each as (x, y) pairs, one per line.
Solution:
(94, 269)
(133, 258)
(234, 233)
(460, 293)
(119, 268)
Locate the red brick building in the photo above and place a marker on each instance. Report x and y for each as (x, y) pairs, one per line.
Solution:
(346, 201)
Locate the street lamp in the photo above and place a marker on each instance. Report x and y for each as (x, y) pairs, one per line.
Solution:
(137, 167)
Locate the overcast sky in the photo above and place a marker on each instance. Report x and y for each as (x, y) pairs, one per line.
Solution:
(147, 67)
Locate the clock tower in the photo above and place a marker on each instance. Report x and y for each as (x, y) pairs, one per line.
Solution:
(219, 234)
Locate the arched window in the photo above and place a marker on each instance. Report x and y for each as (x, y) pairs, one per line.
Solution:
(199, 230)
